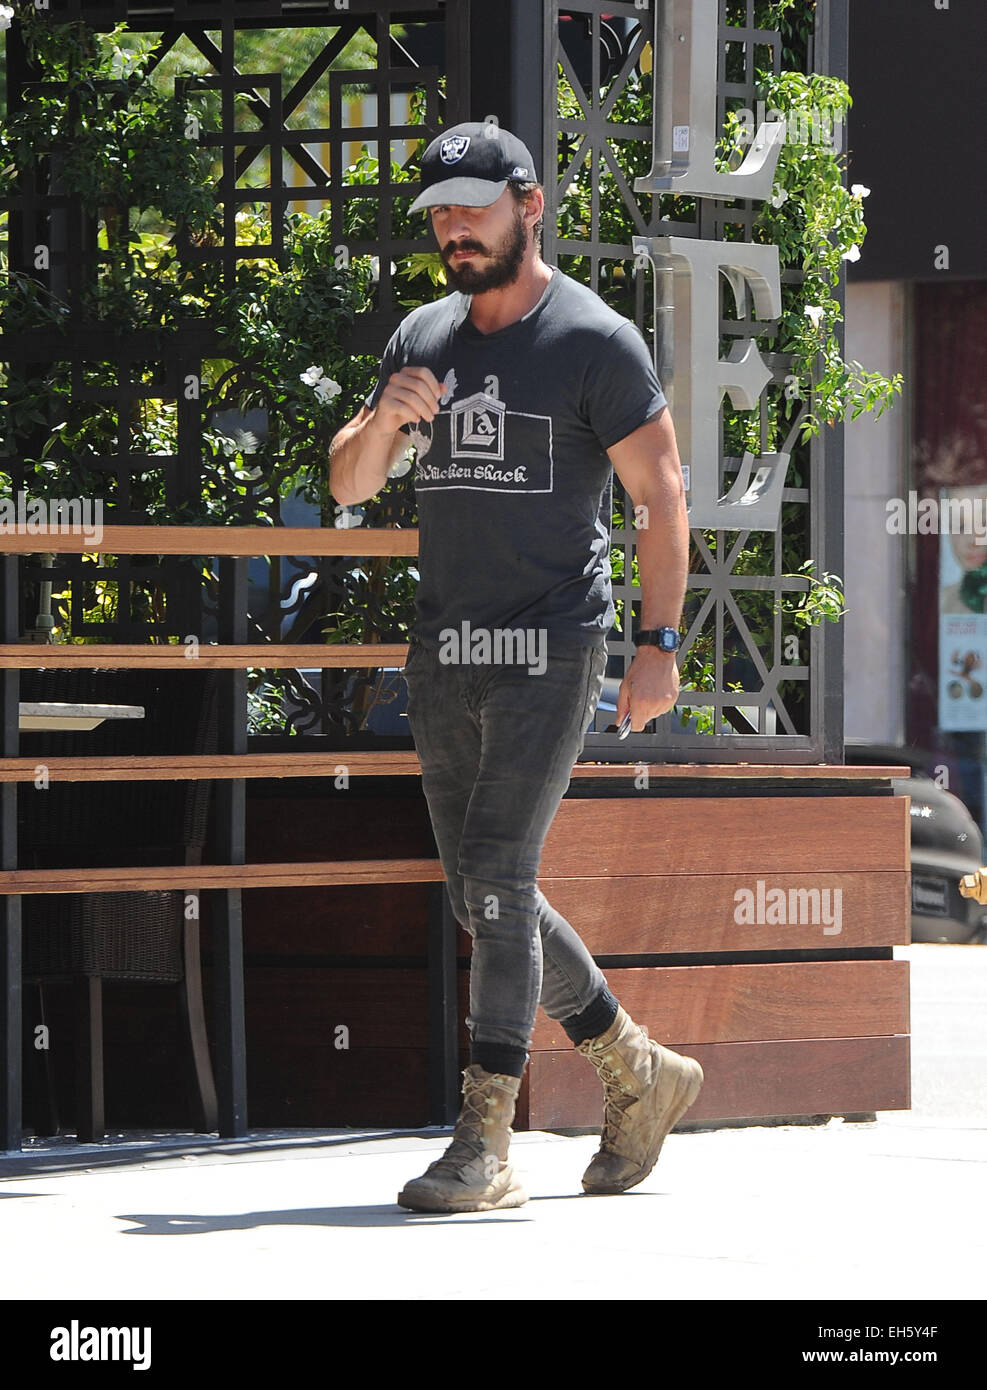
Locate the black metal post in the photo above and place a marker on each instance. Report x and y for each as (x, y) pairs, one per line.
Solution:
(507, 42)
(10, 903)
(90, 1096)
(226, 904)
(831, 56)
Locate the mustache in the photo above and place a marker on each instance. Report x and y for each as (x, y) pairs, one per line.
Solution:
(464, 246)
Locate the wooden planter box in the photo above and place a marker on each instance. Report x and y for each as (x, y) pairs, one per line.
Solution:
(788, 1019)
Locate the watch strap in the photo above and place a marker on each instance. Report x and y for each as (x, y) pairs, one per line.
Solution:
(667, 639)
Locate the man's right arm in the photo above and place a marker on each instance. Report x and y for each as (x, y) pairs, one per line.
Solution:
(363, 452)
(360, 458)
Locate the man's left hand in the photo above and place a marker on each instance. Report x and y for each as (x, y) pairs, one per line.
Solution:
(650, 688)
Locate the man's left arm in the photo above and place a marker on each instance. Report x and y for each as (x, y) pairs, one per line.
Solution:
(647, 464)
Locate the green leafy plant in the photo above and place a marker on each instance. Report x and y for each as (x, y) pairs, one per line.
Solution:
(817, 224)
(823, 600)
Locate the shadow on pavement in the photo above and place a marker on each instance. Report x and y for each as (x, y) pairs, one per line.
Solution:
(158, 1224)
(390, 1215)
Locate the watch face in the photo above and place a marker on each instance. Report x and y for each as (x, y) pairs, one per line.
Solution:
(668, 639)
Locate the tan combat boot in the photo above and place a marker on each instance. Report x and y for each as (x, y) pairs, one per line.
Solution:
(647, 1089)
(473, 1174)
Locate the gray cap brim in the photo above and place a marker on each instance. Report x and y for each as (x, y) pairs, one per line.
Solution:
(465, 193)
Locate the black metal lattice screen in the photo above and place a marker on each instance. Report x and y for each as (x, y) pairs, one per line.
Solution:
(280, 139)
(349, 78)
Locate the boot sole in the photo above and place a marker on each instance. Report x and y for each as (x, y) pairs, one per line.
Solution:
(515, 1196)
(687, 1087)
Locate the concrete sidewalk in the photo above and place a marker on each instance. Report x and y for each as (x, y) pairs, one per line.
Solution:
(887, 1210)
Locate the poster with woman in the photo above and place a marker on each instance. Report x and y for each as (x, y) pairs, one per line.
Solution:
(962, 603)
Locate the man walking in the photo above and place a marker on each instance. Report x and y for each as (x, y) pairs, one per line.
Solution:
(522, 392)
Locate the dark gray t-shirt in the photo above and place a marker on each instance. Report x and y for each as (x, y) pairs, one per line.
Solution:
(513, 482)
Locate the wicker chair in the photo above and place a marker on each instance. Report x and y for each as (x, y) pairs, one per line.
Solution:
(144, 936)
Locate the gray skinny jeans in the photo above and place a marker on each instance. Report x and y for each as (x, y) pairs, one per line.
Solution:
(497, 746)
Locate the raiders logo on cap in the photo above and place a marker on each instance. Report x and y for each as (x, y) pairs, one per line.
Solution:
(454, 148)
(462, 167)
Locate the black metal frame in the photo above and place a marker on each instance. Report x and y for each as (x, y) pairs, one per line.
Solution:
(10, 904)
(831, 55)
(483, 71)
(39, 213)
(529, 61)
(74, 256)
(227, 903)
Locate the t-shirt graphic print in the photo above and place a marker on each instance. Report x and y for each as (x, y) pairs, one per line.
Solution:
(474, 437)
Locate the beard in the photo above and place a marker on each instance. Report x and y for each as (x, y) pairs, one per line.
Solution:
(506, 260)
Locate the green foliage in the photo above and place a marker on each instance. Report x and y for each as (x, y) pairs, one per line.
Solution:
(823, 600)
(114, 140)
(815, 222)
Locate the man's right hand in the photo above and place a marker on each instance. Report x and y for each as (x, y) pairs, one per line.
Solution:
(411, 394)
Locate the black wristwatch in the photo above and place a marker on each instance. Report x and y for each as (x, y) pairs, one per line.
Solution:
(667, 639)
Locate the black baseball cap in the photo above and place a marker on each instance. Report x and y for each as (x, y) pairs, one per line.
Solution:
(470, 165)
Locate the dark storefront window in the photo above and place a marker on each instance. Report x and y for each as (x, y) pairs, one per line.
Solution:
(947, 704)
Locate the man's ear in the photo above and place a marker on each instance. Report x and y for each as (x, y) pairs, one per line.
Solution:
(534, 206)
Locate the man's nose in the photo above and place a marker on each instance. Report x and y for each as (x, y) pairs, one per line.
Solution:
(459, 225)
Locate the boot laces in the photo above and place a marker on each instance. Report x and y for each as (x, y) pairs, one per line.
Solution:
(617, 1099)
(467, 1137)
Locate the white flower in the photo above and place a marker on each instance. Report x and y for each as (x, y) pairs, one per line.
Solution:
(814, 313)
(853, 254)
(324, 386)
(780, 197)
(399, 469)
(325, 390)
(572, 191)
(859, 191)
(346, 519)
(6, 16)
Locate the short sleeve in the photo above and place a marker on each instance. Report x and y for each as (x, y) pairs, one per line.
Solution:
(391, 362)
(621, 390)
